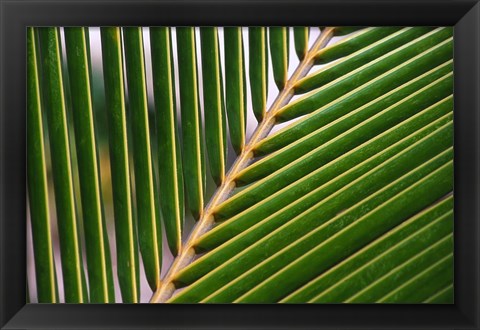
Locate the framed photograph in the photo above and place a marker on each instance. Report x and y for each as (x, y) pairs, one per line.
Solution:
(239, 164)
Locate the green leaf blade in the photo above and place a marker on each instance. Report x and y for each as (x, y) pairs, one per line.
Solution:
(403, 206)
(235, 86)
(126, 239)
(366, 54)
(410, 228)
(323, 154)
(98, 251)
(419, 56)
(419, 251)
(353, 43)
(289, 254)
(278, 219)
(214, 110)
(310, 189)
(420, 99)
(424, 284)
(149, 226)
(193, 155)
(45, 277)
(328, 208)
(258, 70)
(444, 296)
(279, 50)
(301, 34)
(169, 153)
(384, 92)
(73, 275)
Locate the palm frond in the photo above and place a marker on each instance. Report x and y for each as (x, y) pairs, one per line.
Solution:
(351, 201)
(314, 198)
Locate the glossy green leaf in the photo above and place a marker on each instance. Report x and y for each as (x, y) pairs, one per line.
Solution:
(307, 191)
(443, 296)
(53, 92)
(98, 250)
(352, 43)
(193, 155)
(424, 284)
(411, 230)
(214, 110)
(413, 254)
(279, 50)
(328, 151)
(361, 57)
(352, 202)
(352, 238)
(420, 99)
(149, 225)
(321, 212)
(423, 53)
(169, 155)
(301, 34)
(381, 92)
(235, 90)
(125, 233)
(258, 69)
(45, 277)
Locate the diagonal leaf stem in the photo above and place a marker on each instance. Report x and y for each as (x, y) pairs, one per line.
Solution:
(206, 221)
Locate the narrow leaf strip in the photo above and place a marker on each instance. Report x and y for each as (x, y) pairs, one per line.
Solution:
(323, 154)
(300, 34)
(420, 99)
(98, 251)
(193, 155)
(37, 181)
(364, 256)
(364, 186)
(235, 86)
(258, 70)
(384, 283)
(73, 276)
(420, 250)
(435, 46)
(149, 226)
(308, 191)
(334, 70)
(287, 255)
(382, 92)
(352, 238)
(444, 296)
(126, 239)
(169, 155)
(424, 284)
(353, 43)
(214, 110)
(279, 50)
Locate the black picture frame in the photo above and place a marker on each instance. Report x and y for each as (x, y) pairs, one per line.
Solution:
(16, 15)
